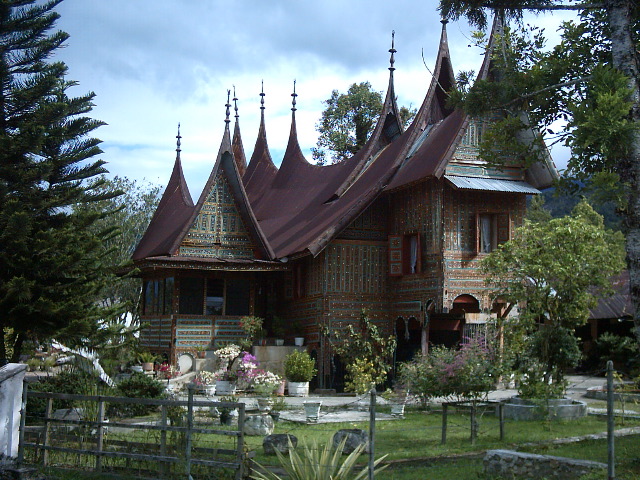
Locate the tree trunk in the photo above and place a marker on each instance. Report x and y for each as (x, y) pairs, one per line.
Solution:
(17, 347)
(625, 59)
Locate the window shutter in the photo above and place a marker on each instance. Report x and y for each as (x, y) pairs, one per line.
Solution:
(395, 255)
(504, 227)
(477, 232)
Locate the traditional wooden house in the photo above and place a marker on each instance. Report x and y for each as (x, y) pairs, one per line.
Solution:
(398, 230)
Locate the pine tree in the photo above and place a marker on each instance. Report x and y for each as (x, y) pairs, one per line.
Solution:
(50, 260)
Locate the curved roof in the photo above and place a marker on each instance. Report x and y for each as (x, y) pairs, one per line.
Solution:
(173, 213)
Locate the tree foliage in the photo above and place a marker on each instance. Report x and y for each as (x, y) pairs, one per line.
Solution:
(50, 258)
(553, 269)
(347, 122)
(590, 79)
(366, 353)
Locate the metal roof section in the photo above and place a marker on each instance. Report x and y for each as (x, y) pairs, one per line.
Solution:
(491, 184)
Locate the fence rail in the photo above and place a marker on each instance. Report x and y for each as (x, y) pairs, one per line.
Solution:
(89, 437)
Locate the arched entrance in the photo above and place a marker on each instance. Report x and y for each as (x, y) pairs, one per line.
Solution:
(408, 332)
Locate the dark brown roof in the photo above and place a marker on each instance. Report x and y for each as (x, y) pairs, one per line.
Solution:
(619, 304)
(238, 149)
(173, 212)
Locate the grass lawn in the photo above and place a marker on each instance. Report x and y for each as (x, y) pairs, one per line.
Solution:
(413, 445)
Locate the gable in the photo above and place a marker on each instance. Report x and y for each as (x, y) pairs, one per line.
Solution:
(218, 230)
(466, 159)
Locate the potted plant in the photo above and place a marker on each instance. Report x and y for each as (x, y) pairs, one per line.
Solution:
(252, 327)
(397, 399)
(200, 351)
(226, 377)
(299, 368)
(147, 359)
(278, 330)
(263, 384)
(278, 406)
(206, 382)
(296, 327)
(227, 413)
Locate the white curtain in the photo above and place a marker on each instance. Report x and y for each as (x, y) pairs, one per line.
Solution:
(413, 260)
(485, 233)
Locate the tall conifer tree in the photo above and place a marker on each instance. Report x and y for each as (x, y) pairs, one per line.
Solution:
(50, 266)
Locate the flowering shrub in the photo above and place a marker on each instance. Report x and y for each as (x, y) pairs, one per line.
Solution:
(360, 374)
(166, 371)
(465, 373)
(226, 355)
(265, 382)
(205, 378)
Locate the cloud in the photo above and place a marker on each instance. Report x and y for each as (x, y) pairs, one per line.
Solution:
(154, 63)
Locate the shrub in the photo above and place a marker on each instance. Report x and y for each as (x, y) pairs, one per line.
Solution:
(465, 373)
(72, 381)
(299, 367)
(138, 385)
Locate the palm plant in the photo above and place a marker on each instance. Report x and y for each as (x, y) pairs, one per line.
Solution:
(314, 463)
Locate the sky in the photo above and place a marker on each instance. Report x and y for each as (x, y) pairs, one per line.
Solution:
(155, 63)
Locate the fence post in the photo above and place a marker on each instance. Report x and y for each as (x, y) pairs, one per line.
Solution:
(241, 415)
(444, 423)
(47, 431)
(501, 417)
(474, 425)
(611, 460)
(100, 440)
(372, 430)
(189, 428)
(163, 440)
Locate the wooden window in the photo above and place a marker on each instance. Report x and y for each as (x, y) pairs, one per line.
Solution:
(238, 297)
(158, 296)
(492, 229)
(191, 296)
(215, 297)
(404, 254)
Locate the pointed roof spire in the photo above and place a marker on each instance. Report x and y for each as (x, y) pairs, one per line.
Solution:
(392, 51)
(178, 150)
(262, 96)
(236, 142)
(228, 105)
(294, 95)
(235, 103)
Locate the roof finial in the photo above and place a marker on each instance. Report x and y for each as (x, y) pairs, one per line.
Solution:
(294, 95)
(392, 50)
(228, 105)
(178, 142)
(444, 21)
(235, 102)
(262, 96)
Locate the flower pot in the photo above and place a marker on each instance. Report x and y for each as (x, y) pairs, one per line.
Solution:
(275, 416)
(201, 354)
(137, 368)
(265, 404)
(298, 341)
(312, 410)
(280, 389)
(147, 366)
(226, 418)
(397, 409)
(210, 389)
(279, 342)
(225, 387)
(298, 389)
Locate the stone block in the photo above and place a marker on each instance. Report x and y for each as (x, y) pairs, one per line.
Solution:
(258, 425)
(279, 442)
(355, 437)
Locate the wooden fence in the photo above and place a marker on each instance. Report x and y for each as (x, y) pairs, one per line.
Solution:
(171, 449)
